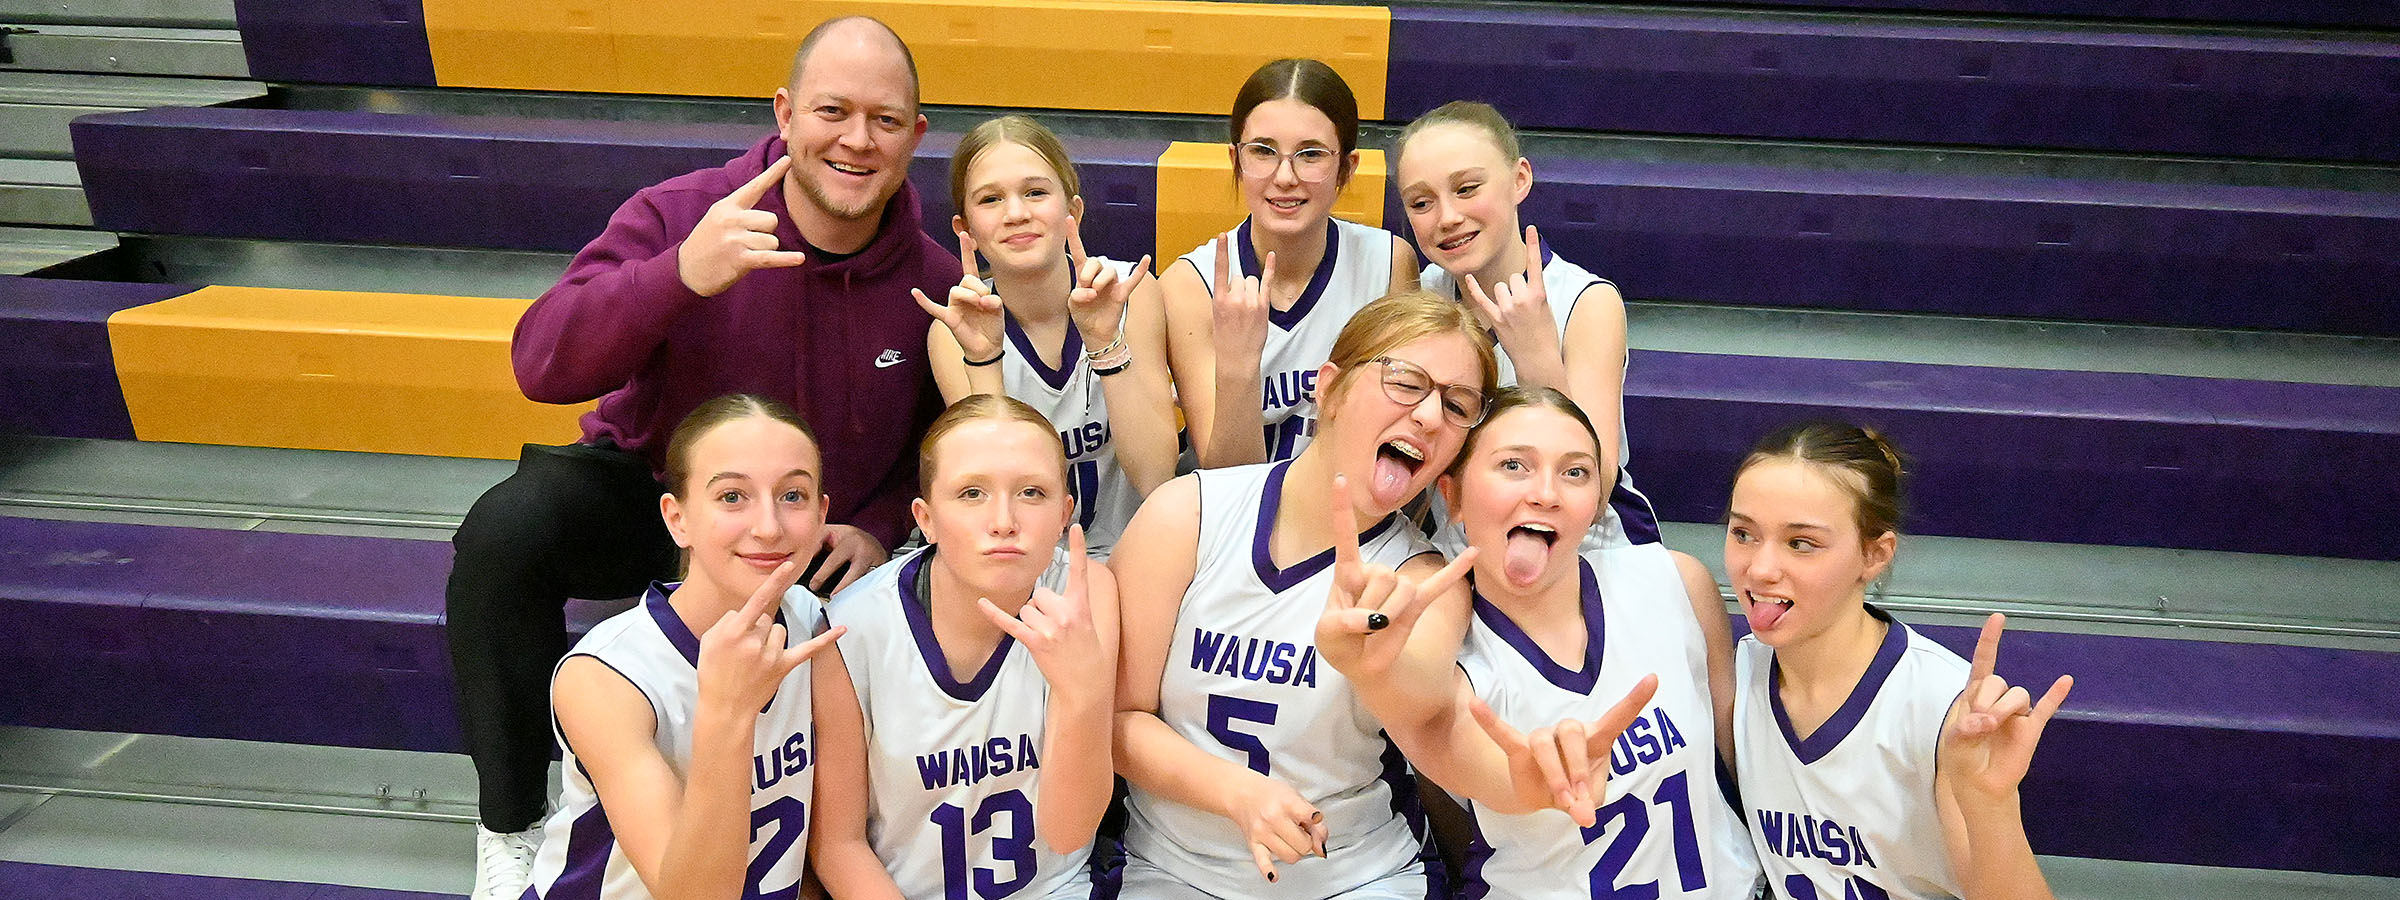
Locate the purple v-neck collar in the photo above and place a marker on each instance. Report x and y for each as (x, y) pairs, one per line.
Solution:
(1071, 351)
(1595, 627)
(1288, 319)
(919, 609)
(1853, 709)
(1283, 579)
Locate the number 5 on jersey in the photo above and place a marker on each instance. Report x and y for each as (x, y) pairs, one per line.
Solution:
(1224, 711)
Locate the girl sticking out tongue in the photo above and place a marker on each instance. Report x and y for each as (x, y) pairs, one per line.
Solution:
(1849, 719)
(1248, 759)
(1588, 681)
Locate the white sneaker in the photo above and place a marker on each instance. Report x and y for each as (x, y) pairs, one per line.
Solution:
(504, 862)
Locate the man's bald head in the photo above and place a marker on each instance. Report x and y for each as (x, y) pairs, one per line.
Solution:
(859, 30)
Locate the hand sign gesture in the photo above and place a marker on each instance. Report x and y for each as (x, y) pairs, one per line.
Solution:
(733, 239)
(1565, 766)
(1057, 628)
(1519, 308)
(1097, 302)
(1280, 824)
(973, 313)
(743, 658)
(1992, 727)
(1372, 608)
(1239, 325)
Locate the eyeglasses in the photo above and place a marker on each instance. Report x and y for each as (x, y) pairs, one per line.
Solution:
(1310, 164)
(1407, 385)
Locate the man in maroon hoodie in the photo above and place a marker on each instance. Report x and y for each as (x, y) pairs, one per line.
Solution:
(787, 277)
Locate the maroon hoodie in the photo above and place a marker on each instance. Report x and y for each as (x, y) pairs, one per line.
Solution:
(838, 339)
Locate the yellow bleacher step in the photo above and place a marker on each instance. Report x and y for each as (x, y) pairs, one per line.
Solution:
(331, 370)
(1175, 56)
(1197, 198)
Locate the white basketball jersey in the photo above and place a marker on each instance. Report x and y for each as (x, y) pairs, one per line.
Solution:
(1243, 683)
(1356, 270)
(1848, 813)
(1666, 830)
(1629, 518)
(1071, 398)
(952, 765)
(652, 647)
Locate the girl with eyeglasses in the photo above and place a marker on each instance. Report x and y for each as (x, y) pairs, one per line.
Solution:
(1245, 361)
(1252, 764)
(1460, 178)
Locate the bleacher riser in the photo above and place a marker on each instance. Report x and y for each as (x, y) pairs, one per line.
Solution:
(2257, 752)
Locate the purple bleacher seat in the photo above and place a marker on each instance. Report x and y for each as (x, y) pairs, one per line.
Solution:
(29, 880)
(2207, 753)
(2333, 13)
(217, 633)
(2042, 455)
(368, 42)
(2214, 256)
(457, 181)
(1842, 79)
(58, 377)
(252, 635)
(336, 640)
(483, 182)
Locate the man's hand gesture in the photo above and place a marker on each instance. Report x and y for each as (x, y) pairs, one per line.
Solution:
(733, 239)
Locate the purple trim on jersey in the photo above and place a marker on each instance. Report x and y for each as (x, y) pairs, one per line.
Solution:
(589, 842)
(681, 636)
(1830, 734)
(670, 624)
(1471, 885)
(1067, 355)
(1402, 784)
(1288, 319)
(1634, 514)
(1595, 625)
(1284, 579)
(919, 611)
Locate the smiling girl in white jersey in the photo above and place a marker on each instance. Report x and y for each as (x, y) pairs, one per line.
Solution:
(1255, 772)
(1245, 363)
(1080, 339)
(1560, 637)
(1875, 763)
(964, 721)
(1460, 178)
(685, 721)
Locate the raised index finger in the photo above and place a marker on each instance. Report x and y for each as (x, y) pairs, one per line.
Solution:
(1346, 559)
(966, 255)
(747, 195)
(770, 592)
(1533, 255)
(1224, 264)
(1987, 649)
(1077, 561)
(1075, 252)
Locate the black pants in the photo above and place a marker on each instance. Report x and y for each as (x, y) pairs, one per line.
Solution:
(577, 521)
